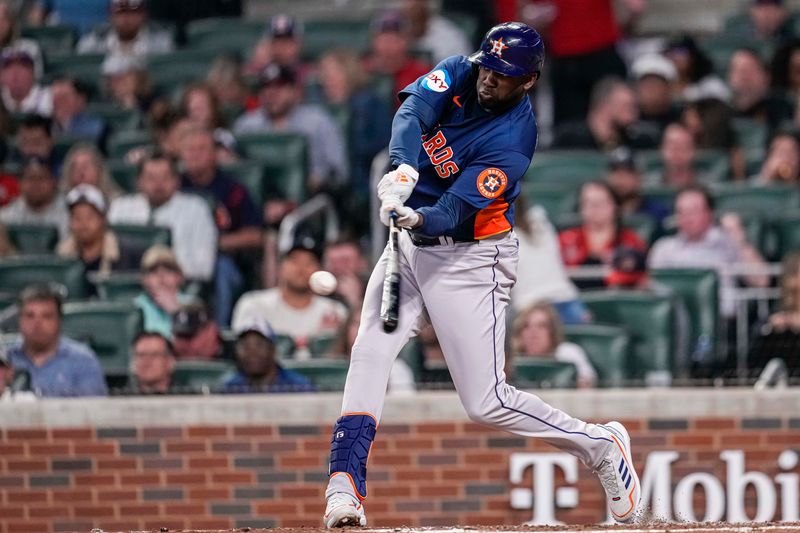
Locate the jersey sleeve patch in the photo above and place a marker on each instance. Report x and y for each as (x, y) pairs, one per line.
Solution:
(437, 81)
(492, 183)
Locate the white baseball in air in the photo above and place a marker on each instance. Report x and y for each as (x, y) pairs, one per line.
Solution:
(322, 282)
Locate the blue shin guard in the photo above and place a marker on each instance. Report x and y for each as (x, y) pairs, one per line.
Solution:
(352, 439)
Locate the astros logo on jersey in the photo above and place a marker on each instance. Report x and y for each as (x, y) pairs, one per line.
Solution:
(492, 182)
(498, 47)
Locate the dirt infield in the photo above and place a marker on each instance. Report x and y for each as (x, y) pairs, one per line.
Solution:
(719, 527)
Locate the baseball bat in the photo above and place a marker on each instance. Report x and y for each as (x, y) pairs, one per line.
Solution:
(390, 302)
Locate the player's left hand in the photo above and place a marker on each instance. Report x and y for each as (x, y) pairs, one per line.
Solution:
(406, 217)
(399, 182)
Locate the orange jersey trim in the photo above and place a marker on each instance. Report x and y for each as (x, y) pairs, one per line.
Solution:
(491, 220)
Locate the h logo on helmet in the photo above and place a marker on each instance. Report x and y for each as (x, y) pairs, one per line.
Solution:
(498, 47)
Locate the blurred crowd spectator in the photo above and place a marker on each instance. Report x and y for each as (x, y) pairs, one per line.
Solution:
(170, 162)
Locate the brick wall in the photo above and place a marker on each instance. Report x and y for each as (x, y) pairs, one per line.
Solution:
(428, 473)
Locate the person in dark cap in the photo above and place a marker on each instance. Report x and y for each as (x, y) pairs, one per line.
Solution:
(20, 90)
(626, 181)
(292, 308)
(39, 202)
(258, 366)
(280, 110)
(129, 33)
(194, 333)
(281, 43)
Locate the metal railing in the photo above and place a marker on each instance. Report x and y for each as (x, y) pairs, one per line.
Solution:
(320, 203)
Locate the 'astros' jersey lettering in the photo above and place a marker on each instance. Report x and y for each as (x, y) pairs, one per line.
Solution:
(476, 155)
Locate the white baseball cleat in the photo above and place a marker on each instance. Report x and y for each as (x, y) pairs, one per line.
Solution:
(618, 476)
(344, 510)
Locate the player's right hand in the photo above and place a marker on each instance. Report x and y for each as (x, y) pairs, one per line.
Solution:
(399, 183)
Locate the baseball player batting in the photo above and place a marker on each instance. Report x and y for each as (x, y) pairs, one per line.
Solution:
(461, 142)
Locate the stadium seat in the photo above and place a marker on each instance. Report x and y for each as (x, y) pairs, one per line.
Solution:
(143, 236)
(84, 67)
(224, 35)
(608, 349)
(53, 40)
(699, 290)
(285, 159)
(108, 327)
(168, 77)
(567, 167)
(120, 286)
(787, 228)
(249, 173)
(123, 174)
(643, 224)
(711, 165)
(543, 373)
(321, 346)
(32, 238)
(768, 201)
(64, 143)
(325, 374)
(201, 375)
(322, 35)
(17, 272)
(752, 135)
(284, 346)
(122, 142)
(117, 118)
(648, 318)
(554, 198)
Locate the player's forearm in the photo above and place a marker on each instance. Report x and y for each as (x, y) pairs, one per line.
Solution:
(413, 117)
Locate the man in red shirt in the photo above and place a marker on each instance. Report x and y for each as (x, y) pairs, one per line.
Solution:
(582, 37)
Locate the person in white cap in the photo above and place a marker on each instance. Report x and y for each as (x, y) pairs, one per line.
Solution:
(90, 238)
(654, 77)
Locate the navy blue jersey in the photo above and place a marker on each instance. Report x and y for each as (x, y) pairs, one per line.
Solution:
(473, 154)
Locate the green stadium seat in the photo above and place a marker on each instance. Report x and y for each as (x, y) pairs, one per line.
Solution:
(555, 199)
(168, 77)
(699, 290)
(119, 286)
(322, 35)
(567, 167)
(249, 173)
(117, 118)
(711, 165)
(123, 174)
(143, 236)
(53, 40)
(787, 228)
(285, 159)
(767, 201)
(224, 35)
(543, 373)
(201, 375)
(284, 346)
(321, 346)
(108, 327)
(608, 349)
(84, 67)
(32, 238)
(18, 272)
(122, 142)
(63, 144)
(644, 225)
(325, 374)
(752, 135)
(648, 317)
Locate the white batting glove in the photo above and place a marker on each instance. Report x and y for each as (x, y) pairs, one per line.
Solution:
(406, 217)
(399, 183)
